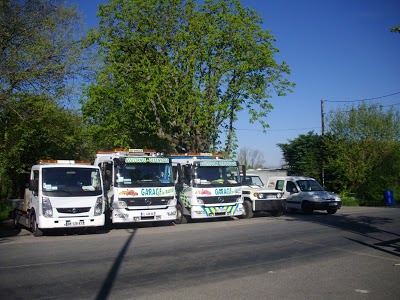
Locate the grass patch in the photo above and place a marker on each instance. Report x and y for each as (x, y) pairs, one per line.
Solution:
(352, 199)
(5, 211)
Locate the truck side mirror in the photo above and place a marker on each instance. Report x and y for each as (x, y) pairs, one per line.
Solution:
(34, 185)
(107, 184)
(180, 173)
(242, 169)
(188, 172)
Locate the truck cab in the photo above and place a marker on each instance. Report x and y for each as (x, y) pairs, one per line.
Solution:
(306, 194)
(207, 186)
(139, 185)
(258, 198)
(61, 194)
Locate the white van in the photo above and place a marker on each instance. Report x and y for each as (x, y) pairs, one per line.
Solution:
(305, 193)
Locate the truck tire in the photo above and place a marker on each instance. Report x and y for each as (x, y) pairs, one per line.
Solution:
(248, 210)
(180, 217)
(331, 211)
(277, 213)
(34, 227)
(15, 219)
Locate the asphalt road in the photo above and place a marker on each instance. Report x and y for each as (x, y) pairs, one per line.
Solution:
(354, 254)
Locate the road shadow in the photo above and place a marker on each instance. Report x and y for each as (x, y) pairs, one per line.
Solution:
(363, 225)
(8, 230)
(112, 274)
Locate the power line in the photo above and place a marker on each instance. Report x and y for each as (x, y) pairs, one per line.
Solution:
(287, 129)
(391, 105)
(360, 100)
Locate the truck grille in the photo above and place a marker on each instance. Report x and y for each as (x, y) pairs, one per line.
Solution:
(73, 210)
(219, 199)
(146, 201)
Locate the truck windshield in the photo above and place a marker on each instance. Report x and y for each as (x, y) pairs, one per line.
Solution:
(252, 180)
(309, 186)
(147, 174)
(223, 175)
(71, 182)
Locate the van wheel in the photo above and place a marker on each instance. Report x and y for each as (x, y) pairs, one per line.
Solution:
(306, 208)
(34, 227)
(331, 211)
(248, 210)
(180, 217)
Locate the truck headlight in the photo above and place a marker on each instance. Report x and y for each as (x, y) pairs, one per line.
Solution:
(199, 201)
(98, 208)
(172, 202)
(259, 195)
(279, 195)
(120, 204)
(47, 208)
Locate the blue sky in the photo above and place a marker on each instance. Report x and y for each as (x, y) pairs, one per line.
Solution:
(338, 50)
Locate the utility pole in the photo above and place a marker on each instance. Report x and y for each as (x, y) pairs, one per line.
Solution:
(323, 142)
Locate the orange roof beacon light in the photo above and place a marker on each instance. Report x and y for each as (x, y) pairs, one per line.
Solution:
(63, 161)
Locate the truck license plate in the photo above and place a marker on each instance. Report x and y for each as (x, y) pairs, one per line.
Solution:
(74, 223)
(220, 210)
(333, 204)
(148, 214)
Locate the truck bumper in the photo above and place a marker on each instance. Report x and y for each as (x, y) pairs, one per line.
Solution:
(201, 211)
(270, 205)
(72, 222)
(122, 215)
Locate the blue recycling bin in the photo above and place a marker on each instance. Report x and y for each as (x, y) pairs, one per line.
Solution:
(388, 197)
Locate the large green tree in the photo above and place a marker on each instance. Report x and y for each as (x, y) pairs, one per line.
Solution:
(304, 155)
(40, 58)
(365, 150)
(176, 73)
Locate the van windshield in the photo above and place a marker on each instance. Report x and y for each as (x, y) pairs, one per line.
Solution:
(71, 182)
(309, 185)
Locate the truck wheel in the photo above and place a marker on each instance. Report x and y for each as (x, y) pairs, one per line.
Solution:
(331, 211)
(248, 210)
(180, 217)
(15, 219)
(34, 227)
(306, 208)
(277, 213)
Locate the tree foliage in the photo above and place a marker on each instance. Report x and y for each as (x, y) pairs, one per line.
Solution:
(304, 155)
(41, 55)
(365, 150)
(176, 73)
(395, 29)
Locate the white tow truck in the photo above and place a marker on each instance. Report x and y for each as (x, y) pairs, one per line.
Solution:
(61, 194)
(139, 185)
(258, 198)
(207, 186)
